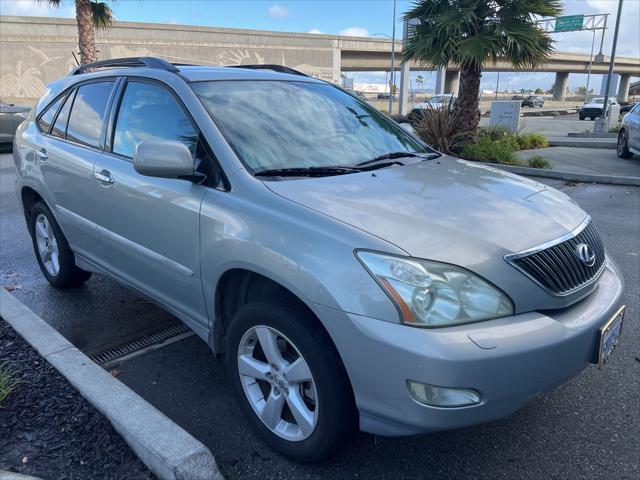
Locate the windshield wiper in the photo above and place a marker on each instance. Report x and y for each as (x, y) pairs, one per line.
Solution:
(307, 171)
(392, 155)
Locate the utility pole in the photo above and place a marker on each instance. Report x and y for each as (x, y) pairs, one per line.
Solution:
(393, 60)
(601, 121)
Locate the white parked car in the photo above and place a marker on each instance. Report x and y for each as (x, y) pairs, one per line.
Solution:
(593, 109)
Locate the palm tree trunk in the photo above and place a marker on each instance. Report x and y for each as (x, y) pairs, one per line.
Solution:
(467, 106)
(86, 33)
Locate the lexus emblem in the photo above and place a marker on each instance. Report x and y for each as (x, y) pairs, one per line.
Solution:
(585, 255)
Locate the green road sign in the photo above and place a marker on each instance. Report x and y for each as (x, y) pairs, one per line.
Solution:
(569, 23)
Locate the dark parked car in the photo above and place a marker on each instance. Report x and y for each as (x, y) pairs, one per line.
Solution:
(627, 107)
(11, 116)
(533, 101)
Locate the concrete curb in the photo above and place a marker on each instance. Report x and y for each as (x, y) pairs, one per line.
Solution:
(165, 448)
(568, 176)
(592, 135)
(598, 143)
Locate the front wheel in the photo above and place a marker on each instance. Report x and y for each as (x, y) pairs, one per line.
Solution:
(55, 258)
(290, 381)
(622, 146)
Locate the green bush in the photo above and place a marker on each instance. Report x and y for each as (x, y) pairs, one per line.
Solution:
(495, 132)
(528, 141)
(538, 161)
(614, 129)
(487, 150)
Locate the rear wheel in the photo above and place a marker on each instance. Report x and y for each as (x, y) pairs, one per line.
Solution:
(581, 117)
(55, 258)
(290, 381)
(622, 146)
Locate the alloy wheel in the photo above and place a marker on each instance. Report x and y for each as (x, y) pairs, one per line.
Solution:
(278, 383)
(622, 142)
(47, 245)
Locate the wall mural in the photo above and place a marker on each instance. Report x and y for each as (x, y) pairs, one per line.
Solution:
(25, 70)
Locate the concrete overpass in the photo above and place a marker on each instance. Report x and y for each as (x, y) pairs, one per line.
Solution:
(37, 50)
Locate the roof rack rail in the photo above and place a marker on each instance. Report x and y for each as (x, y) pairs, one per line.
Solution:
(149, 62)
(270, 66)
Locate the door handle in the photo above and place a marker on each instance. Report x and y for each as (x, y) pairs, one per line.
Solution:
(42, 155)
(104, 176)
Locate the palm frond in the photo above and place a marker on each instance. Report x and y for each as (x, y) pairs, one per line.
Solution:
(102, 15)
(53, 3)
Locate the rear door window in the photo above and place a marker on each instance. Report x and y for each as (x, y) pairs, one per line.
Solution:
(47, 117)
(151, 112)
(88, 113)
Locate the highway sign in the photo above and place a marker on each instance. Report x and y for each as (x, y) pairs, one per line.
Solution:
(569, 23)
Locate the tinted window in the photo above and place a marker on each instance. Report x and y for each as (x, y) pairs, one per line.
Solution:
(60, 127)
(47, 117)
(150, 112)
(88, 112)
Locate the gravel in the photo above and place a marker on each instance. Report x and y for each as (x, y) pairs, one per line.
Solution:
(48, 430)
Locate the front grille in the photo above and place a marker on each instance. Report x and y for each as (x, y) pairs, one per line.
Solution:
(591, 112)
(558, 267)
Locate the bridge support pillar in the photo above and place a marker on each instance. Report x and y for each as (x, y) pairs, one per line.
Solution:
(623, 89)
(560, 86)
(451, 81)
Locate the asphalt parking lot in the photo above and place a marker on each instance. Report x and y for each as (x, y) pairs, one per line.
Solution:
(588, 428)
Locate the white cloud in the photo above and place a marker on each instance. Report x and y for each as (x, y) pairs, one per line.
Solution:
(314, 30)
(173, 21)
(278, 12)
(354, 32)
(36, 9)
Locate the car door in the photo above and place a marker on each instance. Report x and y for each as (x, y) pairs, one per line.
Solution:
(633, 126)
(149, 227)
(68, 149)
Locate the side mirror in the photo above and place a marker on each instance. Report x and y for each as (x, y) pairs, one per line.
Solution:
(163, 158)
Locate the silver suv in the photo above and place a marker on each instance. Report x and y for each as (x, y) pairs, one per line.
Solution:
(352, 276)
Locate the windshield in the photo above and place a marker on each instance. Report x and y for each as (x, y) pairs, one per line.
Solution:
(598, 100)
(439, 99)
(285, 124)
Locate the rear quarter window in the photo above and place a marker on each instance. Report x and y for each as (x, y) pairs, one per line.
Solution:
(45, 120)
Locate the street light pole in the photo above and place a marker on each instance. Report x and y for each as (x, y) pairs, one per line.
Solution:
(586, 92)
(393, 58)
(601, 122)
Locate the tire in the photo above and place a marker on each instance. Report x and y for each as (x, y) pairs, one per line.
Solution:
(581, 117)
(622, 146)
(328, 398)
(59, 268)
(592, 118)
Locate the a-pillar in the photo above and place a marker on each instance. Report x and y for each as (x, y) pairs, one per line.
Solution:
(623, 89)
(560, 87)
(451, 81)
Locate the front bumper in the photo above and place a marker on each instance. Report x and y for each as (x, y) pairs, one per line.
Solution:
(510, 360)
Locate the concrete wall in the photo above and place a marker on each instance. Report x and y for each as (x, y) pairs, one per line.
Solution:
(35, 51)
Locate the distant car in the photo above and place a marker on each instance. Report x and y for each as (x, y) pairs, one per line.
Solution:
(533, 101)
(629, 134)
(11, 116)
(384, 96)
(593, 109)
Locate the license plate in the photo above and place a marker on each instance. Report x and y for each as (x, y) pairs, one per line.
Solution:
(609, 336)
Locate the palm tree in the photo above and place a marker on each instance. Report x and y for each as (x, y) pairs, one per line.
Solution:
(469, 33)
(419, 80)
(89, 15)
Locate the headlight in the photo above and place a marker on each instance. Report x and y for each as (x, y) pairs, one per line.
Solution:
(434, 294)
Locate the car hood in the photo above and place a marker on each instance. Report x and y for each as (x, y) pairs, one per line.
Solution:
(592, 105)
(446, 209)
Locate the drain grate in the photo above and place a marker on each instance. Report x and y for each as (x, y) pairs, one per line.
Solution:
(139, 346)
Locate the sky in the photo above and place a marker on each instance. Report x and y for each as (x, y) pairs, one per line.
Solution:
(351, 17)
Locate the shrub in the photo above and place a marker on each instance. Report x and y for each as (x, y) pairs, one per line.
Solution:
(528, 141)
(487, 150)
(495, 132)
(614, 129)
(554, 114)
(538, 161)
(439, 128)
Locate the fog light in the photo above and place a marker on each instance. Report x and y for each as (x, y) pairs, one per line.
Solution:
(442, 396)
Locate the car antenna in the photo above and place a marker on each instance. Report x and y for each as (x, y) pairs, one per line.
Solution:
(75, 58)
